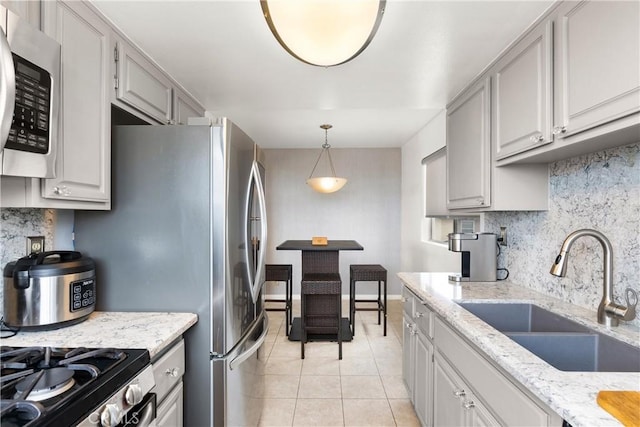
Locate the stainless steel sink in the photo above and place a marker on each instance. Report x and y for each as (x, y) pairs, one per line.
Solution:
(521, 317)
(563, 343)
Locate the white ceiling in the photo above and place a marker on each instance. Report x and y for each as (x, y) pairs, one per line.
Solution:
(224, 54)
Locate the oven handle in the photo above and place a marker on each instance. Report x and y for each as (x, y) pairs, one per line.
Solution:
(7, 89)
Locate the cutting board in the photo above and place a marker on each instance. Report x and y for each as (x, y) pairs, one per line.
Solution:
(624, 405)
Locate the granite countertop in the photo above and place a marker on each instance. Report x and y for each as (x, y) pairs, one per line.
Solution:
(572, 395)
(153, 331)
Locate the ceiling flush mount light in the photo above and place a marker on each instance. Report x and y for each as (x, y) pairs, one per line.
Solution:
(325, 184)
(323, 32)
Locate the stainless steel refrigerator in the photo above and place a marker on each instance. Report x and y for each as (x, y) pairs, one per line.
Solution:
(185, 233)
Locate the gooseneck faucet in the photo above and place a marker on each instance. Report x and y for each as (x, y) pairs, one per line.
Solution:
(609, 313)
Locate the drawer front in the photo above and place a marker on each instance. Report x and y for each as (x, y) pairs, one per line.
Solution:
(507, 401)
(168, 370)
(424, 319)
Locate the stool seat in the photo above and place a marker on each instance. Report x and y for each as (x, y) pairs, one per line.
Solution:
(281, 273)
(320, 306)
(368, 273)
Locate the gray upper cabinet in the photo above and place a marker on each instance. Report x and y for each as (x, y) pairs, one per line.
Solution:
(468, 148)
(83, 161)
(522, 95)
(435, 188)
(141, 85)
(184, 107)
(597, 70)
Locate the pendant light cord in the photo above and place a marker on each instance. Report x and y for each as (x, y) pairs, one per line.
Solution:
(325, 147)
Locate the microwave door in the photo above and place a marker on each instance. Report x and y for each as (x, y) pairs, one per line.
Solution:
(7, 88)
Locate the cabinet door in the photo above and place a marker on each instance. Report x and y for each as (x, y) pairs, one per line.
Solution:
(141, 85)
(448, 395)
(597, 63)
(170, 411)
(522, 95)
(423, 389)
(468, 149)
(408, 354)
(435, 185)
(184, 107)
(84, 152)
(478, 415)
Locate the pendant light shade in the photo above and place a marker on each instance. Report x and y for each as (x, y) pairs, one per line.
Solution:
(326, 184)
(323, 32)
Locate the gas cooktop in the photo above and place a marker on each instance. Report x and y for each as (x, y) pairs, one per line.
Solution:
(61, 386)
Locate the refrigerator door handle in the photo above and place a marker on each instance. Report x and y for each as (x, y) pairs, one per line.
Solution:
(255, 281)
(263, 228)
(7, 89)
(237, 361)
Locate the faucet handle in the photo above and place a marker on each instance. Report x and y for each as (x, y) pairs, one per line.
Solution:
(630, 295)
(621, 312)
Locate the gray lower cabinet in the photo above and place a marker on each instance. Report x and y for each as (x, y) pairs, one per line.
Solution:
(168, 371)
(417, 366)
(451, 383)
(454, 403)
(170, 412)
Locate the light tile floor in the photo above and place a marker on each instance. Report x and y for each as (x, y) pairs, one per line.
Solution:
(365, 388)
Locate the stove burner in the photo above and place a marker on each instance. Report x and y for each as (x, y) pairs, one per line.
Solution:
(52, 386)
(45, 384)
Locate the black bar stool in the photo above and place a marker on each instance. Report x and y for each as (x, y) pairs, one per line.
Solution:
(321, 307)
(281, 273)
(367, 273)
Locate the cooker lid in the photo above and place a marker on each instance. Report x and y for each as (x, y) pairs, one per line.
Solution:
(47, 264)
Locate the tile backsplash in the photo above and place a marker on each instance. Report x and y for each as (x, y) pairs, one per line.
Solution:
(600, 191)
(15, 226)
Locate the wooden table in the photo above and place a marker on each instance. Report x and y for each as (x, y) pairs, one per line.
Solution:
(320, 259)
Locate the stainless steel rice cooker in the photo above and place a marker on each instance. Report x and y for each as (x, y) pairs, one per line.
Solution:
(49, 290)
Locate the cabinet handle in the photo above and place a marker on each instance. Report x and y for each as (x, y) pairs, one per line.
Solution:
(418, 314)
(459, 393)
(536, 138)
(174, 372)
(559, 130)
(469, 404)
(61, 191)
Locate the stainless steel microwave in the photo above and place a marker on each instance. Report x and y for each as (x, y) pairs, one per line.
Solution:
(29, 99)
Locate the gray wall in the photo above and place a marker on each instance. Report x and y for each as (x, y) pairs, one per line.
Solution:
(367, 209)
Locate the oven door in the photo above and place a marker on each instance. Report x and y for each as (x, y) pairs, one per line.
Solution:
(141, 415)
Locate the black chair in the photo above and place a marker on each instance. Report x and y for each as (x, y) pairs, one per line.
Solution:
(368, 273)
(321, 307)
(281, 273)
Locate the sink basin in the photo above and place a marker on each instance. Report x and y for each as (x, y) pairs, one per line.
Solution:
(581, 352)
(563, 343)
(521, 317)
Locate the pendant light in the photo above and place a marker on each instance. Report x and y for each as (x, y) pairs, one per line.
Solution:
(326, 184)
(323, 32)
